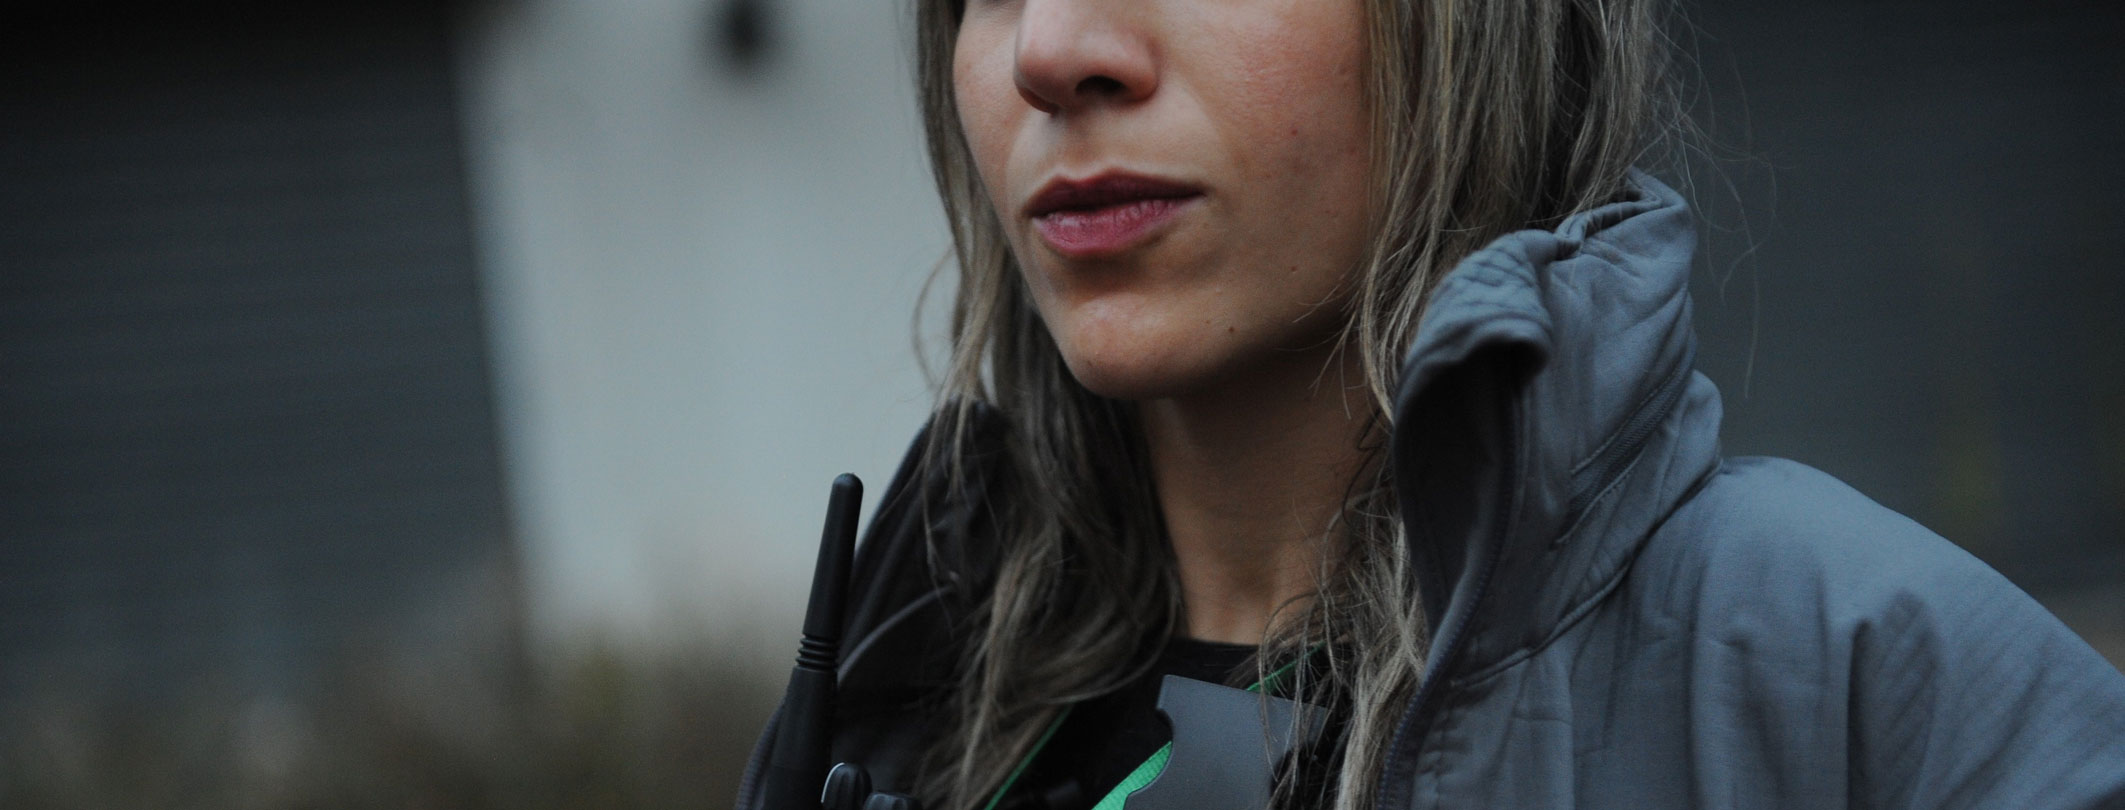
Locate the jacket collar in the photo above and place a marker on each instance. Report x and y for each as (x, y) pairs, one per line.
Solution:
(1547, 419)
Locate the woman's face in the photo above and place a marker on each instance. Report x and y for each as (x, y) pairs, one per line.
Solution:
(1184, 182)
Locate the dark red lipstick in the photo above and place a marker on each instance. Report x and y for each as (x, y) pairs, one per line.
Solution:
(1107, 214)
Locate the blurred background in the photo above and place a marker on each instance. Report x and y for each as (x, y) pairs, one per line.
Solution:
(432, 405)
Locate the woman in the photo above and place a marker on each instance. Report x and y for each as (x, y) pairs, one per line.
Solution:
(1334, 348)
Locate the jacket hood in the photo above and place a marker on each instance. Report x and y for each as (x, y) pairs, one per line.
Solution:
(1547, 419)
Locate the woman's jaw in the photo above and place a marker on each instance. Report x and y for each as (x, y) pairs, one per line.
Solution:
(1186, 188)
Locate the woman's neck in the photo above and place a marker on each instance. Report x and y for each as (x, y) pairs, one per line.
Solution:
(1250, 476)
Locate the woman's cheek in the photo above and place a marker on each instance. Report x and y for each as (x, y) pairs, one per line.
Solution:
(985, 119)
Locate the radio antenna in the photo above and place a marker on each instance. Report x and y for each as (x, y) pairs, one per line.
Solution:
(796, 768)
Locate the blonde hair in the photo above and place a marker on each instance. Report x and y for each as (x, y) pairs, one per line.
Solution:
(1488, 116)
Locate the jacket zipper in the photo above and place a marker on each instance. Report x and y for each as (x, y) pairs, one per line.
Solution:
(1429, 689)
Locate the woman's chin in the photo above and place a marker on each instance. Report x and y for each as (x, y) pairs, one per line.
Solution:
(1132, 378)
(1158, 365)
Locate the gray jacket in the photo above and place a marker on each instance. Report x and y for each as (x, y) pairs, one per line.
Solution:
(1622, 618)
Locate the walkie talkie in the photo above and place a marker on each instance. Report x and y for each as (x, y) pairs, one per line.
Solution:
(1226, 741)
(796, 777)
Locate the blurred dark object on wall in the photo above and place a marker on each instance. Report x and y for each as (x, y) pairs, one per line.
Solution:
(745, 33)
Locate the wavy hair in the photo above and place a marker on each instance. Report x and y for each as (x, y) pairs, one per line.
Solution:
(1487, 116)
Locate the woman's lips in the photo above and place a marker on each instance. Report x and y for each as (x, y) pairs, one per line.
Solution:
(1106, 215)
(1101, 232)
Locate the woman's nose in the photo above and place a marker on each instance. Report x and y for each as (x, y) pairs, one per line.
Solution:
(1075, 54)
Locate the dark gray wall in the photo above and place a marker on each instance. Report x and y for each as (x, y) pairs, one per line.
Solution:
(1935, 309)
(245, 415)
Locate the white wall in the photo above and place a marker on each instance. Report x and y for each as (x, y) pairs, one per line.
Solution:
(701, 286)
